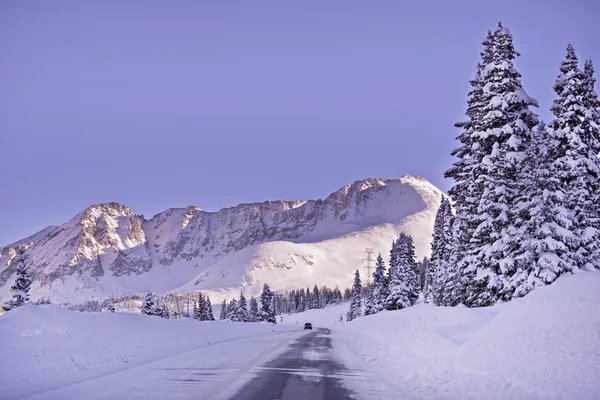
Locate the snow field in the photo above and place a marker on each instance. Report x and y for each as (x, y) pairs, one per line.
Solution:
(46, 347)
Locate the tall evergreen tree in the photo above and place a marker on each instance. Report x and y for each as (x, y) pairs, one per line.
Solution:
(442, 284)
(356, 303)
(149, 306)
(232, 311)
(437, 243)
(592, 127)
(208, 310)
(23, 281)
(266, 301)
(253, 310)
(379, 292)
(575, 161)
(162, 309)
(316, 299)
(402, 280)
(466, 192)
(200, 308)
(544, 253)
(487, 232)
(242, 309)
(347, 294)
(223, 314)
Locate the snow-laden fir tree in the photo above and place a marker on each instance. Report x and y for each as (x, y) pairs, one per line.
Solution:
(266, 302)
(575, 159)
(473, 148)
(378, 293)
(436, 245)
(199, 308)
(253, 310)
(422, 272)
(316, 299)
(441, 285)
(242, 309)
(544, 253)
(347, 294)
(592, 127)
(355, 310)
(162, 309)
(149, 304)
(232, 311)
(208, 310)
(23, 281)
(499, 131)
(223, 314)
(402, 283)
(309, 299)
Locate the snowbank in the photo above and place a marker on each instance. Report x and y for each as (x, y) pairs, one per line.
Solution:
(543, 346)
(45, 347)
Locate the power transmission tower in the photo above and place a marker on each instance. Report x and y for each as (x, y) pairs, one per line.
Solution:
(369, 260)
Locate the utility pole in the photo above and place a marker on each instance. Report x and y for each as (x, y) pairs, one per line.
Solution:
(368, 268)
(177, 300)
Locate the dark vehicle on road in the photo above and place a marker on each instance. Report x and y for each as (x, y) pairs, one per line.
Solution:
(308, 325)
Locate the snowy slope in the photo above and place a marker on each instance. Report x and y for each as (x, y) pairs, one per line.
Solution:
(542, 346)
(47, 347)
(288, 244)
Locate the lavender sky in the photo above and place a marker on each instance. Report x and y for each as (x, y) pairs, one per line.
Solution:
(160, 104)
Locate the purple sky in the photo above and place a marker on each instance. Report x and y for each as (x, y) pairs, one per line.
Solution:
(169, 104)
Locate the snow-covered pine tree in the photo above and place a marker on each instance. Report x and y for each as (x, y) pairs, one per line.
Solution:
(149, 304)
(20, 289)
(347, 294)
(379, 290)
(505, 131)
(253, 310)
(466, 192)
(199, 308)
(309, 299)
(355, 310)
(436, 246)
(266, 302)
(223, 314)
(242, 309)
(544, 254)
(232, 311)
(402, 280)
(422, 272)
(316, 298)
(575, 161)
(337, 295)
(592, 127)
(208, 310)
(441, 286)
(161, 308)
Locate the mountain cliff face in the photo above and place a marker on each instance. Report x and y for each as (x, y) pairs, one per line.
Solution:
(286, 243)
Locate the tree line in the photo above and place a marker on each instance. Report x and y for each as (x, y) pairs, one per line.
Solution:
(526, 195)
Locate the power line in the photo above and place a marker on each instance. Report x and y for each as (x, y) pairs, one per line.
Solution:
(369, 260)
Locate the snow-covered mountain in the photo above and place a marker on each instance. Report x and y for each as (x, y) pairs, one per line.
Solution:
(289, 244)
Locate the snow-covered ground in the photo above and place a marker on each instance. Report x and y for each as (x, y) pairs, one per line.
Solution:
(47, 347)
(543, 346)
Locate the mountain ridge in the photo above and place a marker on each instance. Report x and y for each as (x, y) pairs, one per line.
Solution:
(107, 244)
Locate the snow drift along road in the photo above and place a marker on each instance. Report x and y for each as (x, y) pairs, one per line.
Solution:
(543, 346)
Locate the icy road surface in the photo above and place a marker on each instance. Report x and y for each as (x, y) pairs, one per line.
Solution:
(288, 365)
